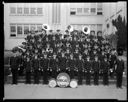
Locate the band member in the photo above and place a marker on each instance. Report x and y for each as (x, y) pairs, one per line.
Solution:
(28, 71)
(14, 68)
(96, 67)
(87, 70)
(53, 66)
(104, 66)
(62, 63)
(112, 60)
(71, 66)
(36, 69)
(44, 63)
(119, 72)
(80, 66)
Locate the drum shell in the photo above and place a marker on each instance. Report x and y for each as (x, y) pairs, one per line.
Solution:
(75, 83)
(52, 82)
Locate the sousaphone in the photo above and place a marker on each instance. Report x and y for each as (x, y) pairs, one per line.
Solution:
(86, 30)
(46, 27)
(70, 28)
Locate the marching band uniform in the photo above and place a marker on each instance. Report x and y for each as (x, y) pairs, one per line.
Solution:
(104, 66)
(14, 68)
(87, 70)
(96, 67)
(119, 72)
(28, 71)
(80, 66)
(36, 69)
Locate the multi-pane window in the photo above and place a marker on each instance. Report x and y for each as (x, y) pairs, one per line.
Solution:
(39, 11)
(33, 10)
(13, 30)
(19, 30)
(26, 10)
(99, 9)
(12, 10)
(73, 11)
(26, 29)
(19, 10)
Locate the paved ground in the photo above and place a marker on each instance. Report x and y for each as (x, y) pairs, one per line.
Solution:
(23, 91)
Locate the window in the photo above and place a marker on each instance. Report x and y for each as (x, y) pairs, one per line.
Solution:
(19, 10)
(26, 10)
(73, 11)
(93, 10)
(26, 29)
(13, 30)
(33, 10)
(19, 30)
(99, 9)
(39, 11)
(12, 10)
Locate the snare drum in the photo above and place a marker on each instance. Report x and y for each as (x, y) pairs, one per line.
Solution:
(52, 83)
(74, 83)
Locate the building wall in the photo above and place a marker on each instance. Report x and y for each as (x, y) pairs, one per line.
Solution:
(61, 11)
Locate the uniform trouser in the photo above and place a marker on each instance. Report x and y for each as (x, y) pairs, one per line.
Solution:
(36, 77)
(28, 77)
(119, 77)
(21, 70)
(54, 73)
(88, 78)
(14, 76)
(105, 78)
(45, 76)
(72, 74)
(80, 77)
(96, 78)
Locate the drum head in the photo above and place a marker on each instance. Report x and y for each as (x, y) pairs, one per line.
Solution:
(52, 83)
(73, 83)
(63, 80)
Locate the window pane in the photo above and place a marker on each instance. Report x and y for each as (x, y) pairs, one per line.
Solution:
(13, 28)
(79, 10)
(33, 10)
(72, 11)
(19, 10)
(93, 10)
(33, 27)
(19, 29)
(86, 10)
(99, 13)
(26, 29)
(99, 27)
(26, 10)
(39, 27)
(13, 10)
(39, 11)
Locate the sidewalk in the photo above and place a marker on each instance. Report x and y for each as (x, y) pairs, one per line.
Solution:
(23, 91)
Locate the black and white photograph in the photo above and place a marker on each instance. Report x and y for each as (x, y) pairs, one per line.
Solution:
(72, 50)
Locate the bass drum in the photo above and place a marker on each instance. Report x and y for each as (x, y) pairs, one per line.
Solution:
(52, 83)
(74, 83)
(63, 80)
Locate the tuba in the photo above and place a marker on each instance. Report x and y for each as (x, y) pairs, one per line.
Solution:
(86, 30)
(70, 28)
(46, 27)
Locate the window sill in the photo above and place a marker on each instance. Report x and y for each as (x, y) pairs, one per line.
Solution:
(22, 37)
(25, 15)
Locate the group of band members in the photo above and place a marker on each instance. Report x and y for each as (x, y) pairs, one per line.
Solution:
(80, 55)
